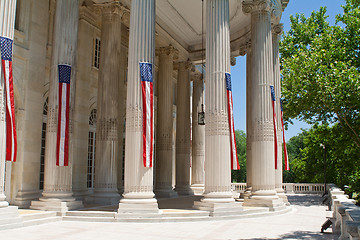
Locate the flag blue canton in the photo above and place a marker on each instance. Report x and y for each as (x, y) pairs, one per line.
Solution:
(281, 104)
(64, 73)
(146, 72)
(272, 93)
(228, 81)
(6, 48)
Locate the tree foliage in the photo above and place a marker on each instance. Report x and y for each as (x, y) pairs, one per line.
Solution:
(321, 69)
(342, 157)
(240, 175)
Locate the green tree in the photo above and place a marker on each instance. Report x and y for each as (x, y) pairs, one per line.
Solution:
(240, 175)
(321, 69)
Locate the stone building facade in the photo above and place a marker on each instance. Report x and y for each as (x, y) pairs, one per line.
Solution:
(104, 41)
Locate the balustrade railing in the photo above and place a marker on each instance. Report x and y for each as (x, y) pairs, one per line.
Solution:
(312, 188)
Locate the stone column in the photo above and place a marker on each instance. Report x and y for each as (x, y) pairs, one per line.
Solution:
(260, 131)
(138, 186)
(107, 135)
(198, 138)
(7, 14)
(217, 135)
(183, 130)
(57, 194)
(164, 124)
(276, 33)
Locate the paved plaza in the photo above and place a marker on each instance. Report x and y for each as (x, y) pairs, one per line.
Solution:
(303, 222)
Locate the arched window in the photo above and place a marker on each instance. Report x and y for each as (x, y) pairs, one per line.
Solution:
(43, 140)
(91, 149)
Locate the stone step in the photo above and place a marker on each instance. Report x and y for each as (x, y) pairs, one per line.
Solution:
(11, 226)
(165, 219)
(9, 220)
(89, 219)
(38, 221)
(32, 215)
(183, 213)
(90, 214)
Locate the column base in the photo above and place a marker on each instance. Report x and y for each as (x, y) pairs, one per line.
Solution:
(140, 205)
(198, 189)
(281, 194)
(103, 198)
(9, 217)
(81, 194)
(59, 202)
(23, 198)
(184, 190)
(219, 208)
(165, 192)
(265, 198)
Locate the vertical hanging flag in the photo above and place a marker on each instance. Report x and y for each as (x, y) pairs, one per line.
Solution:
(6, 63)
(274, 121)
(62, 143)
(146, 78)
(233, 152)
(287, 167)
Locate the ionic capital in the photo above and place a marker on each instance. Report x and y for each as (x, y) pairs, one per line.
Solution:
(250, 6)
(232, 61)
(197, 77)
(110, 8)
(169, 50)
(245, 48)
(277, 29)
(186, 65)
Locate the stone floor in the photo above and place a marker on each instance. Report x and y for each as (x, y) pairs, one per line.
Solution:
(303, 222)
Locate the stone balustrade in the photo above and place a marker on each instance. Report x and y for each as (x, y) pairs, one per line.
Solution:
(297, 188)
(346, 215)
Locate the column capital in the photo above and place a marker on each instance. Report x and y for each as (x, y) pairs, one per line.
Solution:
(250, 6)
(277, 29)
(196, 77)
(245, 48)
(169, 50)
(232, 61)
(187, 65)
(111, 8)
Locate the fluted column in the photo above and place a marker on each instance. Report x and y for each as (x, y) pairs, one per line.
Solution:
(217, 143)
(138, 185)
(183, 130)
(164, 124)
(7, 16)
(198, 138)
(57, 194)
(276, 33)
(260, 131)
(107, 135)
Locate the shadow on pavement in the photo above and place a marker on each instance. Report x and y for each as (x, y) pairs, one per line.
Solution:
(303, 235)
(305, 200)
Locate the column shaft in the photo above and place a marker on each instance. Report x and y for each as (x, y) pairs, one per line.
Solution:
(138, 185)
(58, 180)
(164, 124)
(107, 138)
(198, 138)
(7, 15)
(217, 144)
(260, 128)
(183, 130)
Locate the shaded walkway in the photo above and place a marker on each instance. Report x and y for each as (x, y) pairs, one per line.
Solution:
(303, 222)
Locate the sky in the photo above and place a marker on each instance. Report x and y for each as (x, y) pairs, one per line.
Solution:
(238, 71)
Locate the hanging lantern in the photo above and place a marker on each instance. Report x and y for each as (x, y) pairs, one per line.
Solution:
(201, 116)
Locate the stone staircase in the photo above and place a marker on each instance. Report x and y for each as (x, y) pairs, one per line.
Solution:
(34, 217)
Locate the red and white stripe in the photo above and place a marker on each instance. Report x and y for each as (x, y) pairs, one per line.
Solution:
(11, 140)
(287, 167)
(62, 145)
(148, 113)
(233, 151)
(274, 121)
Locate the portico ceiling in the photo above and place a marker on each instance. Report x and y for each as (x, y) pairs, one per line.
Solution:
(181, 21)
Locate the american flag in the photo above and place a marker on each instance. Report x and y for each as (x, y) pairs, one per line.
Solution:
(233, 152)
(62, 143)
(146, 77)
(274, 121)
(287, 167)
(6, 63)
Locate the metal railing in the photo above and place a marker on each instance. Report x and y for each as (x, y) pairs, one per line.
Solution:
(312, 188)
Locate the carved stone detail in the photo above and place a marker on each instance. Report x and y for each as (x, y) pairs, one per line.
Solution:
(217, 124)
(245, 48)
(277, 29)
(143, 188)
(256, 5)
(169, 50)
(107, 129)
(52, 122)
